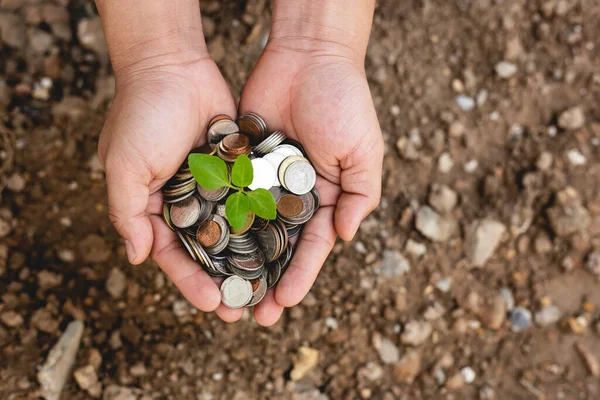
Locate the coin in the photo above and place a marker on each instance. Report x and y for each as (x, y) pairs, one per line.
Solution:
(212, 195)
(220, 129)
(247, 225)
(259, 289)
(299, 177)
(254, 126)
(208, 233)
(288, 150)
(247, 262)
(167, 216)
(275, 159)
(267, 145)
(185, 213)
(289, 206)
(264, 174)
(236, 292)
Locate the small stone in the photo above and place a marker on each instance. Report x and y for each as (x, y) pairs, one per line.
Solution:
(42, 320)
(547, 316)
(114, 392)
(94, 249)
(57, 368)
(95, 358)
(435, 227)
(304, 360)
(444, 285)
(434, 312)
(137, 370)
(468, 374)
(371, 372)
(408, 367)
(407, 149)
(445, 163)
(542, 243)
(66, 255)
(471, 166)
(12, 30)
(331, 323)
(394, 264)
(442, 198)
(91, 36)
(115, 340)
(416, 333)
(482, 97)
(572, 119)
(487, 393)
(40, 41)
(576, 158)
(592, 263)
(456, 130)
(568, 215)
(544, 162)
(11, 319)
(514, 49)
(415, 248)
(520, 319)
(465, 103)
(493, 314)
(458, 86)
(507, 298)
(590, 359)
(16, 183)
(388, 352)
(5, 228)
(116, 283)
(482, 239)
(48, 280)
(505, 69)
(86, 377)
(455, 382)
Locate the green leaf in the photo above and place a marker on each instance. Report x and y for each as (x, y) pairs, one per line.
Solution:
(242, 171)
(209, 171)
(262, 203)
(236, 209)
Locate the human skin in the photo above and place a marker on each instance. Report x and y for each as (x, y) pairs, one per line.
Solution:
(309, 82)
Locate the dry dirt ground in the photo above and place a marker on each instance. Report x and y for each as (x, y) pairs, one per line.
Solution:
(477, 278)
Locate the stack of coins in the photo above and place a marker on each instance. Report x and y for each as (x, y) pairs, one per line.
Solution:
(254, 257)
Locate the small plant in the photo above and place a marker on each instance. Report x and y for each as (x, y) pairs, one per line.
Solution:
(211, 173)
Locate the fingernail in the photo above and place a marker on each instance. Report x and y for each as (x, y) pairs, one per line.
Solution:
(130, 251)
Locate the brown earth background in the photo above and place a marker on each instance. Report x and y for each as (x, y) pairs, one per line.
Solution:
(510, 181)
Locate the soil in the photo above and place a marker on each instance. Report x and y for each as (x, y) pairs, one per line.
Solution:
(402, 312)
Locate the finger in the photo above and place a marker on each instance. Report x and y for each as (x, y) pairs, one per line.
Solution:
(316, 242)
(155, 204)
(186, 274)
(229, 315)
(329, 193)
(361, 185)
(127, 202)
(268, 311)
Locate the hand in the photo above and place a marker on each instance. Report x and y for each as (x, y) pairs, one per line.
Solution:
(321, 99)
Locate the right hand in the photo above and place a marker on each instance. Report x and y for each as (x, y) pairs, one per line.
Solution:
(158, 115)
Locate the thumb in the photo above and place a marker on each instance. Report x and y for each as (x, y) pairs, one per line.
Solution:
(361, 185)
(128, 195)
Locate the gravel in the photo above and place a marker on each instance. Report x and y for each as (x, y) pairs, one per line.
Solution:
(482, 239)
(547, 316)
(520, 319)
(506, 69)
(394, 264)
(434, 226)
(572, 119)
(416, 333)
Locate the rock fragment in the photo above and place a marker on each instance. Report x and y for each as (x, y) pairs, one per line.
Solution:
(547, 316)
(572, 119)
(304, 360)
(416, 333)
(57, 367)
(482, 239)
(434, 226)
(394, 264)
(505, 69)
(87, 380)
(116, 283)
(568, 215)
(442, 198)
(407, 369)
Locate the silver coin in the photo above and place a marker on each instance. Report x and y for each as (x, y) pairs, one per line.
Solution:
(275, 159)
(236, 292)
(248, 262)
(288, 150)
(260, 291)
(186, 212)
(273, 273)
(183, 240)
(212, 195)
(220, 129)
(264, 174)
(300, 177)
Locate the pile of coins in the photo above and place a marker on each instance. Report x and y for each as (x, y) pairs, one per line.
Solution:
(253, 258)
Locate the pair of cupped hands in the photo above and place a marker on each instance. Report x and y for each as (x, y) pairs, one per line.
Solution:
(161, 111)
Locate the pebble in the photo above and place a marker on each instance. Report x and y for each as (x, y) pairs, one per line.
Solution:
(542, 243)
(87, 380)
(138, 369)
(568, 215)
(520, 319)
(91, 36)
(547, 316)
(407, 369)
(456, 129)
(415, 248)
(66, 255)
(482, 97)
(445, 163)
(576, 158)
(116, 283)
(592, 263)
(42, 320)
(371, 372)
(544, 162)
(39, 41)
(505, 69)
(487, 393)
(494, 313)
(5, 228)
(16, 183)
(590, 359)
(442, 198)
(572, 119)
(507, 298)
(388, 352)
(394, 264)
(303, 361)
(94, 249)
(434, 226)
(114, 392)
(13, 30)
(12, 319)
(482, 239)
(55, 371)
(468, 374)
(444, 285)
(465, 103)
(416, 333)
(471, 166)
(331, 323)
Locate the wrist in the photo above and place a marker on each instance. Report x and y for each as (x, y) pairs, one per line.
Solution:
(324, 27)
(155, 34)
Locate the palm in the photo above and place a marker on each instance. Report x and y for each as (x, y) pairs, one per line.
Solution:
(325, 104)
